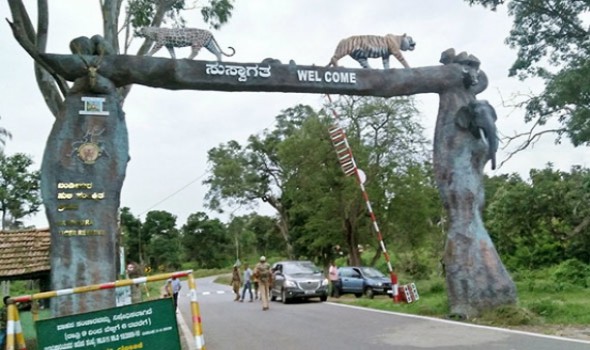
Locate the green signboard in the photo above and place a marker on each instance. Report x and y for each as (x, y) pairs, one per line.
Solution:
(148, 325)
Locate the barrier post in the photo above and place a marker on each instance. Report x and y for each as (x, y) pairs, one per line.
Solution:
(14, 336)
(10, 325)
(18, 332)
(14, 333)
(196, 314)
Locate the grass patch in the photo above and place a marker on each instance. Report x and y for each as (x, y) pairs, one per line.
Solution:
(224, 278)
(541, 302)
(508, 315)
(432, 300)
(27, 323)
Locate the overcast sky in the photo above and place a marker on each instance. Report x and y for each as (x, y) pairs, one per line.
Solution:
(170, 132)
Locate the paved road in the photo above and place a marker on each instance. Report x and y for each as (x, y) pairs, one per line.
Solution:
(229, 325)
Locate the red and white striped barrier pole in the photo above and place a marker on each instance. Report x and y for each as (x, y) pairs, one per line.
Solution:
(95, 287)
(196, 313)
(348, 164)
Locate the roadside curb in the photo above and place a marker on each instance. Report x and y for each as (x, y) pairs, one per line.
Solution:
(186, 336)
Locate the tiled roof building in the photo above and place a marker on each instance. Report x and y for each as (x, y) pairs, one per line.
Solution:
(24, 254)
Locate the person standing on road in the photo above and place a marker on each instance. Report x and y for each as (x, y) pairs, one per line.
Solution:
(262, 272)
(172, 289)
(334, 280)
(247, 283)
(236, 282)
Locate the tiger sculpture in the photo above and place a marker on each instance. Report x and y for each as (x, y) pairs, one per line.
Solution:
(183, 37)
(362, 47)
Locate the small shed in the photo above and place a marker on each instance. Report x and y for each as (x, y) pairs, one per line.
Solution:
(24, 254)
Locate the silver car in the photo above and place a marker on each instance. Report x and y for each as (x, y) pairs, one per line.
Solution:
(298, 280)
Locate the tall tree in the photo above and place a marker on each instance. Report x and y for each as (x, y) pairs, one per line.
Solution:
(19, 189)
(206, 241)
(242, 175)
(553, 44)
(418, 227)
(543, 221)
(388, 142)
(314, 191)
(268, 241)
(135, 244)
(164, 239)
(254, 235)
(324, 206)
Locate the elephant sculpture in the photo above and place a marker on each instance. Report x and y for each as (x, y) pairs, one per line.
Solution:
(479, 117)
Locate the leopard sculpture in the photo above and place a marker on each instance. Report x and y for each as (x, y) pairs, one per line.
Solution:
(183, 37)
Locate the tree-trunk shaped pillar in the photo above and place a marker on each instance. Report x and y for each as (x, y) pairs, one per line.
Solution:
(81, 178)
(464, 141)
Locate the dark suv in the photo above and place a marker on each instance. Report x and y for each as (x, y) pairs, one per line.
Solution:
(298, 280)
(361, 280)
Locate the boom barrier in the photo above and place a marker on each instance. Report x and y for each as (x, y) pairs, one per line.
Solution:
(348, 164)
(14, 335)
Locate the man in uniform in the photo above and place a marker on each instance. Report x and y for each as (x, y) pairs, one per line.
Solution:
(262, 272)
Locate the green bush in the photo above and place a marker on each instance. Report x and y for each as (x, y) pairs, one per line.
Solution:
(573, 272)
(533, 285)
(417, 264)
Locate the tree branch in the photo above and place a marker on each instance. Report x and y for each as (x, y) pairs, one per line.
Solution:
(201, 75)
(47, 84)
(34, 44)
(531, 138)
(110, 17)
(581, 226)
(162, 7)
(21, 17)
(31, 49)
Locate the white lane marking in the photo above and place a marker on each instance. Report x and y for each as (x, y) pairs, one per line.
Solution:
(555, 337)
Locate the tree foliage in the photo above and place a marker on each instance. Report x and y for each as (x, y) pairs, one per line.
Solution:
(206, 241)
(267, 240)
(241, 175)
(388, 142)
(553, 44)
(135, 244)
(159, 229)
(294, 168)
(19, 189)
(544, 221)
